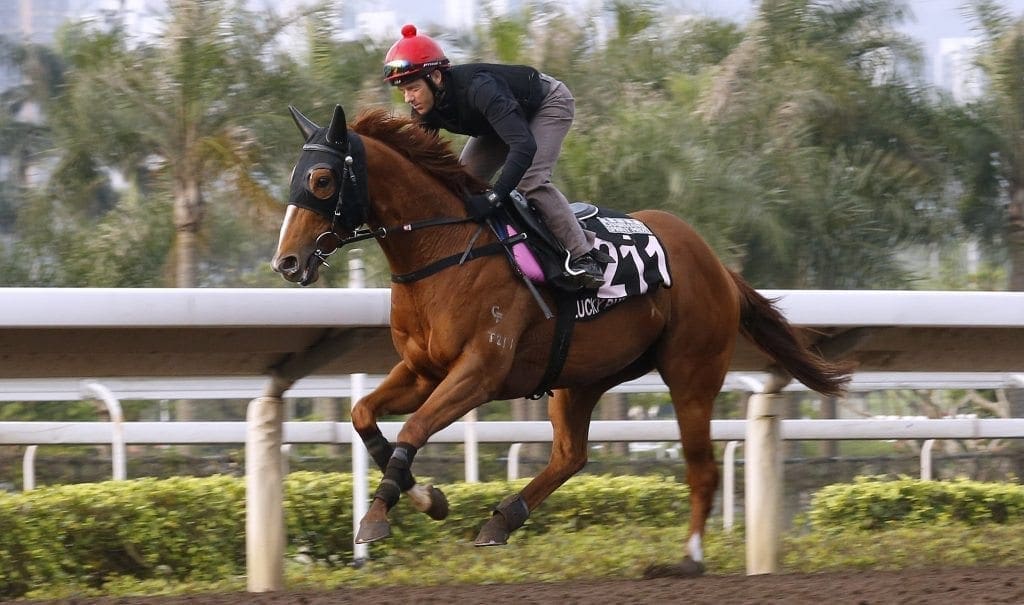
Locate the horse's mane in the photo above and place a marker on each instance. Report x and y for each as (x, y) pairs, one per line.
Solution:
(424, 148)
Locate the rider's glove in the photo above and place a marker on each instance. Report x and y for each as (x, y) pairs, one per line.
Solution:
(482, 205)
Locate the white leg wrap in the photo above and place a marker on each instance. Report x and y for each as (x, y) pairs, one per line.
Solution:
(420, 496)
(695, 548)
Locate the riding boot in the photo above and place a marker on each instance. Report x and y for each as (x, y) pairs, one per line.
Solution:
(588, 270)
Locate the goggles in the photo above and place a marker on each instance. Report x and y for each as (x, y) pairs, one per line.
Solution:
(397, 68)
(395, 71)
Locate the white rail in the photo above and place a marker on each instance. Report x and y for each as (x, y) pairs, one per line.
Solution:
(33, 434)
(240, 387)
(504, 431)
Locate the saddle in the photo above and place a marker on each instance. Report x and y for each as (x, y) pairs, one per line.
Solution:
(519, 216)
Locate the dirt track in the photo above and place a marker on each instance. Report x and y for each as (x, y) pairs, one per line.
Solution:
(964, 586)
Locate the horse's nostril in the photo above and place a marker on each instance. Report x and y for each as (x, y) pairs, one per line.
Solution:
(288, 265)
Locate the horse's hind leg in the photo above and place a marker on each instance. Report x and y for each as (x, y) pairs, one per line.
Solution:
(570, 412)
(693, 387)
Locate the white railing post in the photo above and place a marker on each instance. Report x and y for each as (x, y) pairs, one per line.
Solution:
(471, 447)
(264, 493)
(729, 485)
(763, 481)
(513, 461)
(117, 450)
(360, 462)
(28, 469)
(360, 477)
(762, 476)
(286, 452)
(926, 460)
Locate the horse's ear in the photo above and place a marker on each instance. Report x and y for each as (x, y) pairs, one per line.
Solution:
(307, 126)
(337, 132)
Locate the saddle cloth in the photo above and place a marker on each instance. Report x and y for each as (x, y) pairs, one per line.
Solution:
(639, 262)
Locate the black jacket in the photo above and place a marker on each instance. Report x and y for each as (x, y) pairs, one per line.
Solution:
(484, 99)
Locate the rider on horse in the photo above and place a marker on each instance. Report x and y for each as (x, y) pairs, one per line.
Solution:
(517, 118)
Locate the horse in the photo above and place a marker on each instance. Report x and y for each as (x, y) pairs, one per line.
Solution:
(469, 332)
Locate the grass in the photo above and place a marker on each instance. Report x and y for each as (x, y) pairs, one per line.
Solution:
(618, 553)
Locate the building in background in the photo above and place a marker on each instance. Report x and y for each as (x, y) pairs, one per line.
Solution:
(955, 69)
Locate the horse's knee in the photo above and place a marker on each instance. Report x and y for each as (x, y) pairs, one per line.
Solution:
(363, 418)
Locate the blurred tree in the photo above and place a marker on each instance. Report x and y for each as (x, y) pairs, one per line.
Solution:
(175, 117)
(637, 143)
(22, 132)
(330, 70)
(991, 147)
(989, 140)
(846, 151)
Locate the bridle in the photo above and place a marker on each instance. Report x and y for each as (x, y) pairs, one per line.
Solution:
(330, 241)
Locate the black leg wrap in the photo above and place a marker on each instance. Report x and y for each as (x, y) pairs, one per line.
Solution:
(379, 449)
(398, 466)
(515, 511)
(389, 492)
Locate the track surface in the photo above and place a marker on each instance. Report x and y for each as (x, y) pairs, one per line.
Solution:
(963, 586)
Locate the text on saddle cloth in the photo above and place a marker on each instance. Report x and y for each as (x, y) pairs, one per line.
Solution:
(639, 263)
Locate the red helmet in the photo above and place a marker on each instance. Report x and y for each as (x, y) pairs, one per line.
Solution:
(412, 57)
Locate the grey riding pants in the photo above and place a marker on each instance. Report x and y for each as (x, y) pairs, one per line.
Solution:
(484, 156)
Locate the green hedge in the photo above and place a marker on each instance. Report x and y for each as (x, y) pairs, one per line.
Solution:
(318, 510)
(180, 527)
(194, 528)
(877, 503)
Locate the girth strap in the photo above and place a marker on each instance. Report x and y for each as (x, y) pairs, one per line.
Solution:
(565, 321)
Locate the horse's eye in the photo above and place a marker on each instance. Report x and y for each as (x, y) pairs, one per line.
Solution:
(322, 183)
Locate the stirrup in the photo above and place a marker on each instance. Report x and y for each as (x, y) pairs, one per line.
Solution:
(587, 272)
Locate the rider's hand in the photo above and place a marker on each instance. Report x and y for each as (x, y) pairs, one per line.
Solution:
(482, 205)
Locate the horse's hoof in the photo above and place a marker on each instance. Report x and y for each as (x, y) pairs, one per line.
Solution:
(688, 568)
(438, 504)
(371, 531)
(494, 532)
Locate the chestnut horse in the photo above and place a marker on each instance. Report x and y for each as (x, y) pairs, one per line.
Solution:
(472, 332)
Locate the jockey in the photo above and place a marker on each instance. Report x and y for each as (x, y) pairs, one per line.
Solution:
(517, 118)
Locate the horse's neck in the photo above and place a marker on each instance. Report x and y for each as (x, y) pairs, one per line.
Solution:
(403, 194)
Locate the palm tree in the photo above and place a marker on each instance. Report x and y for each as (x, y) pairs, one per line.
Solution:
(22, 133)
(993, 142)
(849, 166)
(176, 115)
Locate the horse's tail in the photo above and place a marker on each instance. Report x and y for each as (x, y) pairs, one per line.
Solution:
(763, 324)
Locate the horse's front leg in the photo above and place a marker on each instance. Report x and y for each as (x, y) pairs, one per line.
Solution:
(401, 392)
(569, 411)
(461, 391)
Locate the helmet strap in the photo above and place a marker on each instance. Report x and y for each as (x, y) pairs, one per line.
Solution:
(433, 85)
